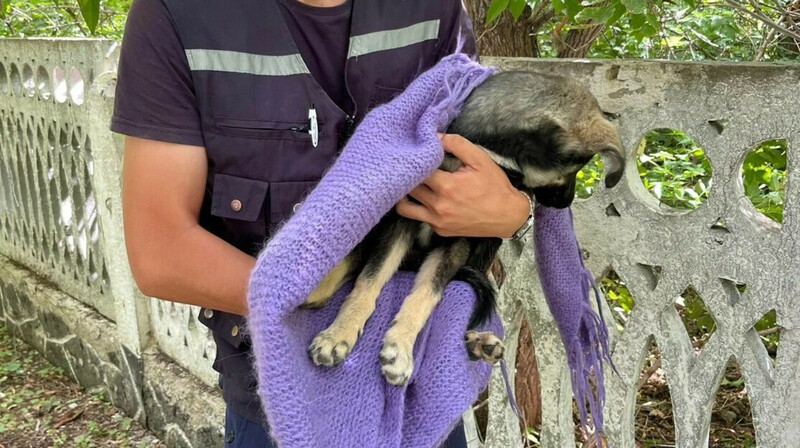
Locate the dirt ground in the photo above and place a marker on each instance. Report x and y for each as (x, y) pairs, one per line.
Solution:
(42, 408)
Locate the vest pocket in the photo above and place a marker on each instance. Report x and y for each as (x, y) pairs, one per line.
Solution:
(238, 197)
(240, 203)
(263, 129)
(285, 198)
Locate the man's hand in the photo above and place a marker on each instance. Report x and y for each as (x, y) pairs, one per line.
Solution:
(476, 201)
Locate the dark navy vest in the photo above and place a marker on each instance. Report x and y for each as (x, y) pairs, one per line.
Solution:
(255, 93)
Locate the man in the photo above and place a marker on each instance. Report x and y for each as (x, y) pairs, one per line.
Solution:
(234, 110)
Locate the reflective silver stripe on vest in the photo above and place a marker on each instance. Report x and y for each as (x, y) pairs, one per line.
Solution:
(237, 62)
(391, 39)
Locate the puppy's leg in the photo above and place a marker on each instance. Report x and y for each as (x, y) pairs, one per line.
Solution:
(437, 270)
(332, 346)
(333, 281)
(482, 345)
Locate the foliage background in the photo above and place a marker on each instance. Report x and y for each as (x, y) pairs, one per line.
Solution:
(671, 165)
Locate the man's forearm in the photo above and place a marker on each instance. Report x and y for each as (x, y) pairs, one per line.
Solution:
(197, 268)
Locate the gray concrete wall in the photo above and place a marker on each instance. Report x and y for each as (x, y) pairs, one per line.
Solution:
(66, 288)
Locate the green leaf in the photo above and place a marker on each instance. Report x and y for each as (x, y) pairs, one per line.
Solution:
(495, 9)
(649, 30)
(637, 20)
(598, 14)
(90, 10)
(558, 6)
(635, 6)
(573, 8)
(516, 7)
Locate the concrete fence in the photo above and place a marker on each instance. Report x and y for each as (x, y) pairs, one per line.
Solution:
(66, 288)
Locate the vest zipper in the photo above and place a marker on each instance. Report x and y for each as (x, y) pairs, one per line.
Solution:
(350, 120)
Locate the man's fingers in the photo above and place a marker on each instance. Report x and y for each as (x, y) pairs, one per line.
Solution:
(464, 150)
(439, 181)
(423, 194)
(410, 210)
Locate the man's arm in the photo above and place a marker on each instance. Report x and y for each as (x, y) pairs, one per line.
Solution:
(171, 256)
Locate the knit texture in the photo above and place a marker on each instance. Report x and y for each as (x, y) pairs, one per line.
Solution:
(566, 285)
(351, 405)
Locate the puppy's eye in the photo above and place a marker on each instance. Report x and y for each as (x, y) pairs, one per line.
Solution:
(611, 116)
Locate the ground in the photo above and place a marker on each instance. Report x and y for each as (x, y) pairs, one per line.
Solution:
(41, 408)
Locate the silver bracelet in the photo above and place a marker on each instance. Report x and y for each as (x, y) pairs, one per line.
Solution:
(528, 222)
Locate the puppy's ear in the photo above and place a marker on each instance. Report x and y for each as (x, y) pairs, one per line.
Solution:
(601, 137)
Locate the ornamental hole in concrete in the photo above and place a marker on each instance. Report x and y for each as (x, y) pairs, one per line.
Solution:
(60, 84)
(3, 79)
(619, 298)
(654, 420)
(734, 290)
(43, 83)
(76, 86)
(769, 332)
(28, 81)
(731, 416)
(674, 169)
(588, 179)
(16, 80)
(697, 318)
(764, 176)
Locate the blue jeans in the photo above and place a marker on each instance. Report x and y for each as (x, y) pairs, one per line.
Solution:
(243, 433)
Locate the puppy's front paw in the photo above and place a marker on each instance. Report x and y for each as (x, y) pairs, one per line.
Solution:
(331, 347)
(397, 358)
(484, 346)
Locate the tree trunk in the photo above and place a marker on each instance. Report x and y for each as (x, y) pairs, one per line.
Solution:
(526, 383)
(576, 43)
(503, 37)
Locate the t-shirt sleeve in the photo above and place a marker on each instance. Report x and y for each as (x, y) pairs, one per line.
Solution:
(155, 97)
(457, 30)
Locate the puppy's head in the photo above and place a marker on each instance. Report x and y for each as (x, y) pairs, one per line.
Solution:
(541, 130)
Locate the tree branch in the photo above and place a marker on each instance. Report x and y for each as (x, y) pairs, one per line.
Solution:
(762, 18)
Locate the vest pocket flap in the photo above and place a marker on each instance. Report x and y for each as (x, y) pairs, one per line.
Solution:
(285, 197)
(238, 197)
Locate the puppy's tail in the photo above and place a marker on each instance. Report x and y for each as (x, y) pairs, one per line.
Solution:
(484, 291)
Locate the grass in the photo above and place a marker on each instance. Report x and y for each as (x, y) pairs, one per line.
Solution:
(41, 408)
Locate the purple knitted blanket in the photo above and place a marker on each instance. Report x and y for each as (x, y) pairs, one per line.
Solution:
(352, 405)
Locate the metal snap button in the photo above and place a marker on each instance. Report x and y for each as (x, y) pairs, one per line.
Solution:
(296, 206)
(208, 313)
(236, 205)
(235, 331)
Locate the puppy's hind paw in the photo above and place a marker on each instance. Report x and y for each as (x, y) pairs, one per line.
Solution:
(484, 346)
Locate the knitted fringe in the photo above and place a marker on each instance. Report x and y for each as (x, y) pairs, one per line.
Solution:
(587, 351)
(458, 85)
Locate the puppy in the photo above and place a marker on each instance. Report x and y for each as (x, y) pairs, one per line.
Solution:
(541, 130)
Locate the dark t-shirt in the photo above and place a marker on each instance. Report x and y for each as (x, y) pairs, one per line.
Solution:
(322, 36)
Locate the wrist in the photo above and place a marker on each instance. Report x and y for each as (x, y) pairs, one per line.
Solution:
(522, 215)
